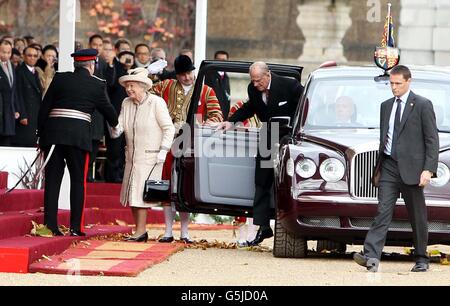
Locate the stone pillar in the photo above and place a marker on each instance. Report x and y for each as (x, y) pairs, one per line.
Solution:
(424, 32)
(415, 38)
(324, 26)
(441, 34)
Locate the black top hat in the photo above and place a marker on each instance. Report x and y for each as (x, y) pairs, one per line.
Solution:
(183, 64)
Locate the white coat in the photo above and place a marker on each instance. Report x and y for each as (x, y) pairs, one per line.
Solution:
(148, 129)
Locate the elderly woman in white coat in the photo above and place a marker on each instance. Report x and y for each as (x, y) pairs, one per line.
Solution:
(149, 134)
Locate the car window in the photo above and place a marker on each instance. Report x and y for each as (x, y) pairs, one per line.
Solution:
(355, 102)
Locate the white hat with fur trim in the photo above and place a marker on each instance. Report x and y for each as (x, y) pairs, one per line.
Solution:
(137, 75)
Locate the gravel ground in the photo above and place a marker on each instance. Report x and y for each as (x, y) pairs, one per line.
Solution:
(216, 267)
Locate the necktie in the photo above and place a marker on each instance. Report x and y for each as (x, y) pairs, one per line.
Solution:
(5, 68)
(266, 92)
(398, 114)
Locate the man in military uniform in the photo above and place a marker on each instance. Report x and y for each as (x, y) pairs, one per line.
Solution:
(64, 124)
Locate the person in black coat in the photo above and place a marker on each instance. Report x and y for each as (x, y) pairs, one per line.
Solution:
(115, 148)
(29, 93)
(220, 82)
(98, 122)
(65, 121)
(270, 96)
(10, 107)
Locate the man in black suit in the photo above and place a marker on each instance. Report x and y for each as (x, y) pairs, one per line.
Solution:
(65, 122)
(409, 153)
(270, 96)
(29, 94)
(10, 107)
(98, 122)
(220, 82)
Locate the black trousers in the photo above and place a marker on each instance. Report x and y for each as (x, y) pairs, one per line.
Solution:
(391, 185)
(264, 195)
(5, 141)
(77, 162)
(115, 159)
(92, 158)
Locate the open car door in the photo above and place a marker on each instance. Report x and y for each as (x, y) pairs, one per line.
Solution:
(215, 174)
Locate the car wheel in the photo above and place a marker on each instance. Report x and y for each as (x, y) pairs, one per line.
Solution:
(328, 245)
(288, 245)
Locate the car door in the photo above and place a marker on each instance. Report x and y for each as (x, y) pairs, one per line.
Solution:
(215, 174)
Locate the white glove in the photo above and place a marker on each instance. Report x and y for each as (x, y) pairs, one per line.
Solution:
(162, 156)
(157, 67)
(116, 132)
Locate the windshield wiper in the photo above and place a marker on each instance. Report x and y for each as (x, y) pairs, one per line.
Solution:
(444, 131)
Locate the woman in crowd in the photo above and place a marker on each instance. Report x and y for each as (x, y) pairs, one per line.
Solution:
(47, 66)
(149, 134)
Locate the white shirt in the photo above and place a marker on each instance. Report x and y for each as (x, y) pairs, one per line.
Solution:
(390, 135)
(264, 95)
(186, 89)
(32, 69)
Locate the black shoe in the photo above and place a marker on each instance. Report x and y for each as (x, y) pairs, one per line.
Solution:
(371, 264)
(186, 241)
(166, 240)
(260, 236)
(57, 233)
(77, 233)
(420, 267)
(142, 238)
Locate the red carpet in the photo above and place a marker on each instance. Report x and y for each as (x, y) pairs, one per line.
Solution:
(3, 180)
(19, 208)
(107, 258)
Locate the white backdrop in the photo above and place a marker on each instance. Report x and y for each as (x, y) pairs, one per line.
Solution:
(14, 159)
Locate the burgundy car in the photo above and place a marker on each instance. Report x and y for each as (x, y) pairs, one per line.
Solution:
(324, 166)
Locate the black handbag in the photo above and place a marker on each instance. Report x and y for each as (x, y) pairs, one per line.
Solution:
(156, 191)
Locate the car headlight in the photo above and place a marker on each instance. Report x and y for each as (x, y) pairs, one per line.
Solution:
(332, 170)
(443, 176)
(306, 168)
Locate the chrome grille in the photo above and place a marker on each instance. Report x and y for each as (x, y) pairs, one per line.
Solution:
(366, 223)
(362, 172)
(329, 222)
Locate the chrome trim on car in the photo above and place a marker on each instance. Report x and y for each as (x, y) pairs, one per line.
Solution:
(351, 200)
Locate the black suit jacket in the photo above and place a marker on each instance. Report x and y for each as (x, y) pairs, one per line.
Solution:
(78, 91)
(98, 122)
(284, 95)
(418, 140)
(10, 104)
(29, 94)
(221, 86)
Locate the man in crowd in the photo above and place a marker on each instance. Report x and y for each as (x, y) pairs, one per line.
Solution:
(29, 94)
(10, 108)
(220, 82)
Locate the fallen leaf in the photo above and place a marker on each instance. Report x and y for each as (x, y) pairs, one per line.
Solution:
(121, 223)
(46, 257)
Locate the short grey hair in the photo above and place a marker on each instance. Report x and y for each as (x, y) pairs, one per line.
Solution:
(259, 66)
(84, 64)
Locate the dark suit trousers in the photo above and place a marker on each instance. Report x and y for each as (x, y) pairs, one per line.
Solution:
(264, 196)
(390, 187)
(115, 159)
(77, 162)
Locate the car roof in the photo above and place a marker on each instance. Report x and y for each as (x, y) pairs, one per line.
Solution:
(418, 72)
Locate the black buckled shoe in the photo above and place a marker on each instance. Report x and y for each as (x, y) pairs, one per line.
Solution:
(186, 240)
(77, 233)
(166, 240)
(142, 238)
(420, 267)
(57, 233)
(260, 236)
